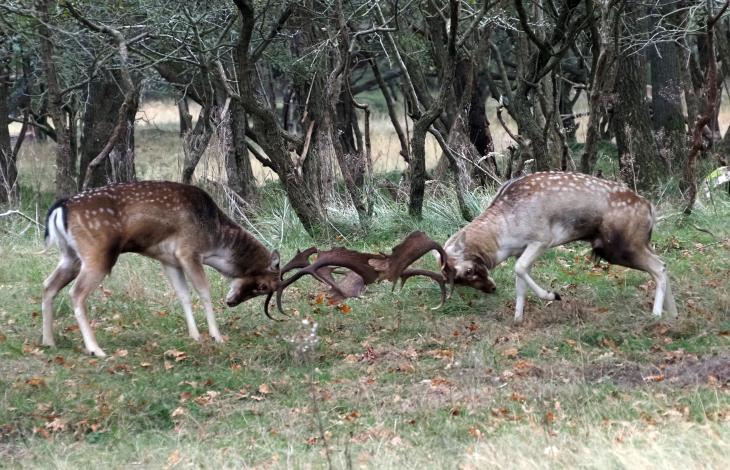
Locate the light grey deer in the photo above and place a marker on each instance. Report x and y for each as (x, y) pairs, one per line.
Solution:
(533, 213)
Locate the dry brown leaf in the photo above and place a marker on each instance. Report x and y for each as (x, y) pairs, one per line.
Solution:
(264, 389)
(475, 432)
(351, 358)
(179, 411)
(121, 353)
(36, 382)
(174, 458)
(55, 425)
(510, 353)
(352, 416)
(176, 354)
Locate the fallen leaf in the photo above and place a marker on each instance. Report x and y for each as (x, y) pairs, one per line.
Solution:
(206, 398)
(179, 411)
(264, 389)
(55, 425)
(121, 353)
(518, 397)
(654, 378)
(344, 308)
(36, 382)
(352, 416)
(351, 358)
(175, 354)
(174, 458)
(145, 365)
(475, 432)
(510, 353)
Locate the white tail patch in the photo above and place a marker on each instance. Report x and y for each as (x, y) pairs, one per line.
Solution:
(58, 234)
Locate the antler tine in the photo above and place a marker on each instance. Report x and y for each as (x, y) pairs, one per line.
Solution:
(438, 277)
(312, 271)
(300, 260)
(266, 307)
(409, 251)
(340, 257)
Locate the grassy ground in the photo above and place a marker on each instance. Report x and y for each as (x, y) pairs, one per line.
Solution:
(592, 381)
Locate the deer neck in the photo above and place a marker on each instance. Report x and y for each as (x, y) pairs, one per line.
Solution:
(483, 238)
(237, 253)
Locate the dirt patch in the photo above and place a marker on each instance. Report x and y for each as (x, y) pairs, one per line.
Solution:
(675, 370)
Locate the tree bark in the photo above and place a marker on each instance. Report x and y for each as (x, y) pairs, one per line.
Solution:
(65, 164)
(98, 124)
(270, 136)
(8, 169)
(666, 84)
(639, 161)
(238, 161)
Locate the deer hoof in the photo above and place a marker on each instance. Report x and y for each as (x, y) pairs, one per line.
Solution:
(97, 353)
(556, 296)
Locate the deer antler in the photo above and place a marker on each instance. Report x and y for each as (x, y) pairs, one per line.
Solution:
(300, 260)
(368, 268)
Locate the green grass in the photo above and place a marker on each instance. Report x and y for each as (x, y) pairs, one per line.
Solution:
(592, 381)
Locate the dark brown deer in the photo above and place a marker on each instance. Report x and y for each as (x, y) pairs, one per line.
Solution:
(178, 225)
(363, 269)
(536, 212)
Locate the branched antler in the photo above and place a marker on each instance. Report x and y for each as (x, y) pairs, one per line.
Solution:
(363, 269)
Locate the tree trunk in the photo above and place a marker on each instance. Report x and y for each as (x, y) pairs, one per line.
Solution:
(270, 136)
(639, 161)
(104, 93)
(186, 119)
(65, 164)
(238, 162)
(196, 141)
(666, 96)
(8, 169)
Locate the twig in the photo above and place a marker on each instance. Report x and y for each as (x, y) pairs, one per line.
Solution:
(16, 212)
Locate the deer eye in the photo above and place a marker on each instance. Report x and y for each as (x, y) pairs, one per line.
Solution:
(469, 271)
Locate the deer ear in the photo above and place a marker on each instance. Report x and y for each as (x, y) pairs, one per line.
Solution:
(274, 261)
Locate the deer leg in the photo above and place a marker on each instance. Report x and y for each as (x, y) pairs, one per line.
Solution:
(521, 289)
(194, 271)
(177, 280)
(87, 281)
(663, 298)
(67, 269)
(669, 305)
(523, 266)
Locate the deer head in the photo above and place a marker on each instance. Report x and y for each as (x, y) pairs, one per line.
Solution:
(253, 285)
(470, 267)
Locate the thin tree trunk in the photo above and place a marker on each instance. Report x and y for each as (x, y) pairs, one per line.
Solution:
(8, 169)
(65, 165)
(104, 93)
(238, 162)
